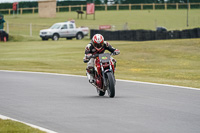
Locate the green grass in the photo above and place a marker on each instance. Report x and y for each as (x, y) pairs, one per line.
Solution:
(137, 19)
(8, 126)
(173, 62)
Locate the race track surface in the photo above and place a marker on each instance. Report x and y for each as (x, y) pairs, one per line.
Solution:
(69, 104)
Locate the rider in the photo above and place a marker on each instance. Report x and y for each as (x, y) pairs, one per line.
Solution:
(97, 46)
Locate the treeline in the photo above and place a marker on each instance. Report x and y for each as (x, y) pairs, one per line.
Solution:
(145, 1)
(35, 4)
(67, 3)
(156, 1)
(21, 5)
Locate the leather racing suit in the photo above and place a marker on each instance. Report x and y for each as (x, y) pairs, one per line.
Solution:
(91, 50)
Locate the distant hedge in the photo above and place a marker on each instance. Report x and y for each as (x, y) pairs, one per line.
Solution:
(157, 1)
(21, 5)
(67, 3)
(35, 4)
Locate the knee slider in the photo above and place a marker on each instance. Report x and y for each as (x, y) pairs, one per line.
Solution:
(90, 70)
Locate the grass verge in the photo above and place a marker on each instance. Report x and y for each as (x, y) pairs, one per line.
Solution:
(173, 62)
(8, 126)
(137, 19)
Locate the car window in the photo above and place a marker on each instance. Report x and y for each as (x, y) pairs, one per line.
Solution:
(64, 26)
(55, 26)
(71, 26)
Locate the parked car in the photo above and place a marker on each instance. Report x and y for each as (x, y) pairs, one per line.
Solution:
(66, 30)
(110, 2)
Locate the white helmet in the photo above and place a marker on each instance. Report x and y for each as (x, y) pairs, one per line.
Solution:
(98, 41)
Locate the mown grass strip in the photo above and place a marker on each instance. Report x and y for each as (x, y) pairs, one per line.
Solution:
(174, 62)
(137, 19)
(9, 126)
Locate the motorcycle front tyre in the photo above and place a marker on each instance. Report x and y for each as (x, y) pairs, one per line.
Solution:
(110, 84)
(101, 93)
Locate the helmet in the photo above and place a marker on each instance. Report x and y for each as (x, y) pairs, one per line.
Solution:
(98, 41)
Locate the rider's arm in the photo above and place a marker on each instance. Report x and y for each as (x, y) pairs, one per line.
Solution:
(111, 49)
(87, 53)
(87, 49)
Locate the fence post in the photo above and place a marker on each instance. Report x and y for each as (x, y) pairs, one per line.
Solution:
(58, 9)
(7, 27)
(33, 10)
(21, 11)
(69, 8)
(141, 6)
(30, 29)
(81, 7)
(105, 7)
(9, 11)
(189, 6)
(165, 6)
(153, 6)
(129, 6)
(117, 7)
(176, 6)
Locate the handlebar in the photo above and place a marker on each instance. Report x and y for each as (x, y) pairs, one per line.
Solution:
(96, 55)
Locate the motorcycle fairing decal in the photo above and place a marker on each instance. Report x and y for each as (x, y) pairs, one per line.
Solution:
(104, 58)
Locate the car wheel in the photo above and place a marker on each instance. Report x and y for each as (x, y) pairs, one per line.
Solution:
(55, 37)
(79, 36)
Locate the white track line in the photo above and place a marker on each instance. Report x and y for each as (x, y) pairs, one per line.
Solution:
(31, 125)
(157, 84)
(49, 131)
(130, 81)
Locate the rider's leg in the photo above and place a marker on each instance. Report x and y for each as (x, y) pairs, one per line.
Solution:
(90, 70)
(113, 61)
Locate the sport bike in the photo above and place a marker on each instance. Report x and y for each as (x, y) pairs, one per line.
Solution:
(104, 79)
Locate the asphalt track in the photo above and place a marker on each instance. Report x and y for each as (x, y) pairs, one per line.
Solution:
(69, 104)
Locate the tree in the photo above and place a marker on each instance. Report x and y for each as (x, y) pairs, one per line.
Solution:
(98, 2)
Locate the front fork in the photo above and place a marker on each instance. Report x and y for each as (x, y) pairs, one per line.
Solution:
(104, 74)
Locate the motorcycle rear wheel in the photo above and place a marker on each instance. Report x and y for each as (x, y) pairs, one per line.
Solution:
(110, 84)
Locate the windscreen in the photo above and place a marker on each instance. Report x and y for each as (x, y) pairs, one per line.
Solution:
(55, 26)
(104, 57)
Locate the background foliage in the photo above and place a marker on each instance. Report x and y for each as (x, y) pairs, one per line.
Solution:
(77, 2)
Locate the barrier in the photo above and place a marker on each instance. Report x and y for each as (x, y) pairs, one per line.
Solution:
(3, 36)
(145, 35)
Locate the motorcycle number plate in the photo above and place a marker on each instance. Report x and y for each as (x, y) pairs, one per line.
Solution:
(104, 57)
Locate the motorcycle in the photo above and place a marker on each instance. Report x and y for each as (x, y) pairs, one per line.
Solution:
(104, 79)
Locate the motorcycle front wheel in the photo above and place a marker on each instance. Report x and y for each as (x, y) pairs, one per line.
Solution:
(110, 84)
(101, 93)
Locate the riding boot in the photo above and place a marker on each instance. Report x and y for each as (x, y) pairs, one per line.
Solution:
(115, 63)
(90, 74)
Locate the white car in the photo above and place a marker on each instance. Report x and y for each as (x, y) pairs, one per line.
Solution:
(110, 2)
(66, 30)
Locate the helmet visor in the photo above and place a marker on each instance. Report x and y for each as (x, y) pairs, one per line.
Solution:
(98, 45)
